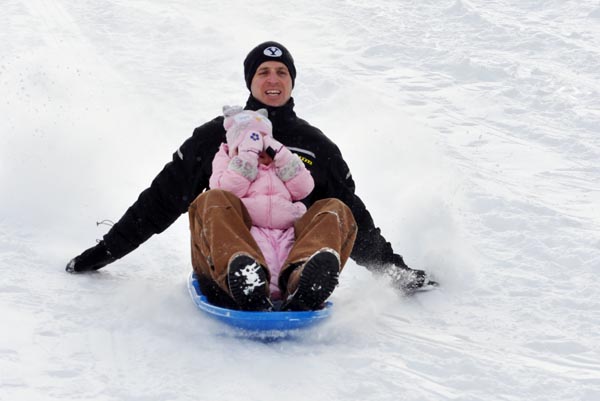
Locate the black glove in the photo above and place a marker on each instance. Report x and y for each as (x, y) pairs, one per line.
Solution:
(409, 280)
(91, 259)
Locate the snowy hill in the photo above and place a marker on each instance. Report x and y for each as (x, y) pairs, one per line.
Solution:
(481, 117)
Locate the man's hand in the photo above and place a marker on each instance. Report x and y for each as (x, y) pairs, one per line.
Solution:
(91, 259)
(409, 280)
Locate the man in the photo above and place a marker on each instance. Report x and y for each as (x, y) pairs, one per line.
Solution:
(336, 226)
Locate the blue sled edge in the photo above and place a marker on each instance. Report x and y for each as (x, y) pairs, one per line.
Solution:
(256, 321)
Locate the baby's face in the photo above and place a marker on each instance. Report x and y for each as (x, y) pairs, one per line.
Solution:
(264, 158)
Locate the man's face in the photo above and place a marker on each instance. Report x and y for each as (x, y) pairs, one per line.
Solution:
(272, 84)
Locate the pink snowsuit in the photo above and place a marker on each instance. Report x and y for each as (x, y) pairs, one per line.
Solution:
(270, 192)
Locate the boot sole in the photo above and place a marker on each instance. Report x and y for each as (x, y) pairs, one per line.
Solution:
(248, 284)
(319, 278)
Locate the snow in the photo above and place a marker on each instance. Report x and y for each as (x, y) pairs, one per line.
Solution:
(471, 128)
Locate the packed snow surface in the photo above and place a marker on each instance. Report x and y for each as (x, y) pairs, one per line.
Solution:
(472, 129)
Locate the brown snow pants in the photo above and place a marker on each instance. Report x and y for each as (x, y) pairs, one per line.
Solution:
(220, 228)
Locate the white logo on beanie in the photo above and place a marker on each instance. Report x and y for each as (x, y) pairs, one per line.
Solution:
(273, 51)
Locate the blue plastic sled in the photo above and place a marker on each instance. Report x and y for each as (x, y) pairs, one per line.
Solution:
(257, 321)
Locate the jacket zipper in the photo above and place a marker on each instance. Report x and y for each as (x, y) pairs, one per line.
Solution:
(270, 217)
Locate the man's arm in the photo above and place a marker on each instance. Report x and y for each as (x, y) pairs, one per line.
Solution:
(370, 248)
(157, 207)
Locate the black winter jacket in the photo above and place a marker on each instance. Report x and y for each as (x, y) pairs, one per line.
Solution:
(187, 175)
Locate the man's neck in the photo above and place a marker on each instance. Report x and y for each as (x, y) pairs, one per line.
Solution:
(277, 115)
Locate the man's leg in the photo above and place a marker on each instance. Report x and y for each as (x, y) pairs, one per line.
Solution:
(224, 251)
(324, 239)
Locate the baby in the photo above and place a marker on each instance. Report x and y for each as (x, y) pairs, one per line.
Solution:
(268, 178)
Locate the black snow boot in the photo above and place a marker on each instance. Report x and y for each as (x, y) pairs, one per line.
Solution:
(249, 284)
(313, 282)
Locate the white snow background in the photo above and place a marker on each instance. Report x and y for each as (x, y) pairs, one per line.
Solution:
(471, 128)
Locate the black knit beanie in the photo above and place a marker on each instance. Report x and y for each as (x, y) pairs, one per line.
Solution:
(268, 51)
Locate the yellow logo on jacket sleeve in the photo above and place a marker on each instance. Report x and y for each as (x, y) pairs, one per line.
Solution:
(306, 160)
